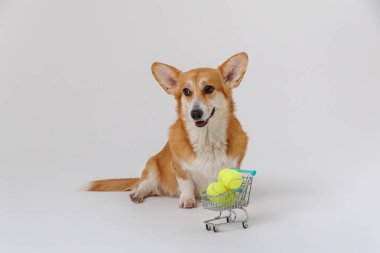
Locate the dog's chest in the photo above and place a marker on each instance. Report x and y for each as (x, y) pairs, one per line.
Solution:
(210, 147)
(210, 159)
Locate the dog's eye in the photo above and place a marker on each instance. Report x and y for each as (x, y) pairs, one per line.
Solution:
(186, 91)
(208, 89)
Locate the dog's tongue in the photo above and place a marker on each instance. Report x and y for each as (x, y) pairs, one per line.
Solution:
(201, 123)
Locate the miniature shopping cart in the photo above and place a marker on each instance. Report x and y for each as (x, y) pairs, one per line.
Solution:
(230, 205)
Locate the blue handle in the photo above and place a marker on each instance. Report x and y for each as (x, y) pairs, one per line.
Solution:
(252, 172)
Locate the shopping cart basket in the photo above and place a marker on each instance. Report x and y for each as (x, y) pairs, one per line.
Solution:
(230, 204)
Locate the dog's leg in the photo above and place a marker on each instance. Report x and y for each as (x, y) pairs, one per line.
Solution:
(148, 185)
(186, 187)
(200, 183)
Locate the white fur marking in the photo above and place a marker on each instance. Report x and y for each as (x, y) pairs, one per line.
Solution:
(209, 143)
(186, 188)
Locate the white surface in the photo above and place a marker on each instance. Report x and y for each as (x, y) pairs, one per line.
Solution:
(78, 102)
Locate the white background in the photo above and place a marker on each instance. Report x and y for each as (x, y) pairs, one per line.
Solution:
(78, 102)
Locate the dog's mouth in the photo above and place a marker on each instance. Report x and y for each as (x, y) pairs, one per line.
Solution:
(202, 123)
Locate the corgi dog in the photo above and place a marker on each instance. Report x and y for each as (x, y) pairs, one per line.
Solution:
(205, 138)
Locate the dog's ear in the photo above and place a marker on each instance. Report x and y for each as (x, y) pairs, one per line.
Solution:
(167, 76)
(233, 69)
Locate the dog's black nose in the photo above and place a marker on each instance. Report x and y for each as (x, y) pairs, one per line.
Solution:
(196, 114)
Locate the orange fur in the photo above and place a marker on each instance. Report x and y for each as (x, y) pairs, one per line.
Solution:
(123, 184)
(162, 171)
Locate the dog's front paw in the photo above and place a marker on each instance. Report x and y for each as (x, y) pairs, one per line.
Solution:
(189, 202)
(137, 197)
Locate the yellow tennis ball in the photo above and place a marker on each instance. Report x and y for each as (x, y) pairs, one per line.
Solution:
(222, 173)
(215, 189)
(229, 199)
(231, 179)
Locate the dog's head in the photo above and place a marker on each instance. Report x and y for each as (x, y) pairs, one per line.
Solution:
(204, 92)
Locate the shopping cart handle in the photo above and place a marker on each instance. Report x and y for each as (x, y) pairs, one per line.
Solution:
(252, 172)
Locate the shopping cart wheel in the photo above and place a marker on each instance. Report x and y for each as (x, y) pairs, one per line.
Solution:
(245, 224)
(208, 227)
(215, 229)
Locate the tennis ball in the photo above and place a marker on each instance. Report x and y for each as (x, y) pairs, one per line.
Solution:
(229, 199)
(231, 179)
(215, 189)
(222, 173)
